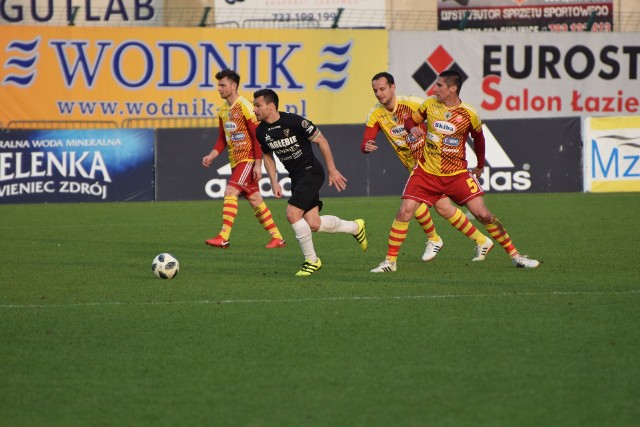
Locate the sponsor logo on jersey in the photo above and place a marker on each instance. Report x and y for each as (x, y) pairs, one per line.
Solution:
(238, 136)
(444, 127)
(398, 130)
(230, 126)
(284, 142)
(452, 142)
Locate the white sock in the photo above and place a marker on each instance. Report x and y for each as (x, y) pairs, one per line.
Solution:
(303, 234)
(333, 224)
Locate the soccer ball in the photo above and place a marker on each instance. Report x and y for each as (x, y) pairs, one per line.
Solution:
(165, 266)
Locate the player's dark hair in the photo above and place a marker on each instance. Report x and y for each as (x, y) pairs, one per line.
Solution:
(452, 78)
(229, 74)
(385, 75)
(269, 95)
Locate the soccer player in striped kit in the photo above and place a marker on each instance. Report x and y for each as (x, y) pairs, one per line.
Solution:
(389, 115)
(237, 132)
(442, 169)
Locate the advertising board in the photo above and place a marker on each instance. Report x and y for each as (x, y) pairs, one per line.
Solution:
(98, 74)
(525, 75)
(76, 165)
(611, 154)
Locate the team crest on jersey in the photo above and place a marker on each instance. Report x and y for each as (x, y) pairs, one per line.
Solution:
(433, 137)
(230, 126)
(447, 115)
(286, 132)
(444, 127)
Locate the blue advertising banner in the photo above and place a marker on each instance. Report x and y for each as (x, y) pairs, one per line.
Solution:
(76, 165)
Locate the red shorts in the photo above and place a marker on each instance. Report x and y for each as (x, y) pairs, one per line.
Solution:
(242, 178)
(427, 188)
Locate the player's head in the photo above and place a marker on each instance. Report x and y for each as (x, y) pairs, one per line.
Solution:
(231, 75)
(269, 95)
(452, 78)
(265, 104)
(384, 75)
(384, 88)
(228, 82)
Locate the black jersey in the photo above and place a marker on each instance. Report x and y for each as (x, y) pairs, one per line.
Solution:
(288, 138)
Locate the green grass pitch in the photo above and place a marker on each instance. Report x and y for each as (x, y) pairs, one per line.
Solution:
(90, 336)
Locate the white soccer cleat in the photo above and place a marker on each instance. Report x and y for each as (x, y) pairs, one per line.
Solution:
(483, 250)
(385, 266)
(523, 261)
(433, 247)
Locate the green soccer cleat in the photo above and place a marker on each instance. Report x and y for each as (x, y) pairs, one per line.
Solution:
(361, 235)
(309, 267)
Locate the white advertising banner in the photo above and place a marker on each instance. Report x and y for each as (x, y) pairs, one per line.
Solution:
(299, 13)
(525, 75)
(611, 154)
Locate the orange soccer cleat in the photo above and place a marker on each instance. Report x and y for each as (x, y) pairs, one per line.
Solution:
(218, 242)
(275, 243)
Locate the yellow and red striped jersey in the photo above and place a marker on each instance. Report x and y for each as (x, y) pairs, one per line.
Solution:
(392, 124)
(444, 151)
(238, 132)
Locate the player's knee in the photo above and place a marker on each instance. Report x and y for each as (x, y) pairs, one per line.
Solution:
(445, 210)
(404, 214)
(485, 217)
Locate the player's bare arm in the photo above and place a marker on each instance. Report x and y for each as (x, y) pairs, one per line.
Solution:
(479, 149)
(335, 177)
(270, 166)
(208, 159)
(257, 169)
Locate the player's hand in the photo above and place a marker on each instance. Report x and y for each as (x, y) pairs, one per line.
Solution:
(370, 146)
(336, 179)
(277, 189)
(417, 131)
(257, 171)
(477, 172)
(206, 160)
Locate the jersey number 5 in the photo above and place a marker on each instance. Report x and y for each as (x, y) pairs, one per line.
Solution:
(473, 186)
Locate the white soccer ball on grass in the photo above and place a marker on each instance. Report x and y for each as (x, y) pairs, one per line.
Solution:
(165, 266)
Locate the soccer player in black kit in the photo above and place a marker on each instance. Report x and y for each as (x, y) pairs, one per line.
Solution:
(289, 136)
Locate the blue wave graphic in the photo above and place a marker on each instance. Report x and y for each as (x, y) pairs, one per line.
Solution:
(337, 50)
(19, 81)
(22, 63)
(337, 68)
(332, 84)
(24, 46)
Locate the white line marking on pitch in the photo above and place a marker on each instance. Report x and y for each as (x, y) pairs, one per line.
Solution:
(327, 299)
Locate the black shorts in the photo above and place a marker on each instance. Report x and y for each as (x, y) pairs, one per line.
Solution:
(305, 191)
